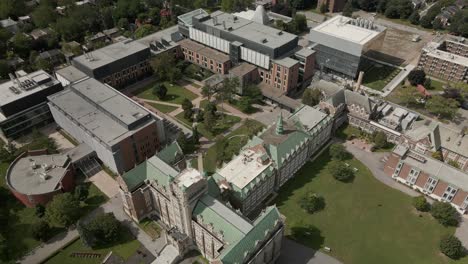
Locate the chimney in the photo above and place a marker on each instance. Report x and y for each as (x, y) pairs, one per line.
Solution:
(224, 25)
(359, 81)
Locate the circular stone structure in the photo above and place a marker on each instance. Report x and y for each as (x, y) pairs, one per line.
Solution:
(35, 177)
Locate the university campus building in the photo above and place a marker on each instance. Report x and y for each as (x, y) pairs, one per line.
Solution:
(341, 42)
(446, 59)
(193, 216)
(272, 157)
(23, 103)
(401, 126)
(431, 177)
(121, 132)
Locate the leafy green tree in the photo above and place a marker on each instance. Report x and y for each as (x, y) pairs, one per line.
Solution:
(145, 30)
(298, 24)
(123, 23)
(68, 28)
(4, 254)
(348, 9)
(195, 136)
(63, 210)
(409, 96)
(458, 23)
(40, 230)
(442, 107)
(160, 90)
(416, 77)
(187, 106)
(428, 83)
(43, 16)
(209, 120)
(311, 97)
(4, 69)
(451, 246)
(81, 192)
(380, 139)
(105, 228)
(254, 93)
(368, 5)
(162, 64)
(127, 9)
(39, 210)
(338, 152)
(12, 8)
(311, 202)
(421, 204)
(22, 45)
(340, 171)
(414, 17)
(323, 8)
(453, 164)
(437, 155)
(44, 64)
(208, 91)
(228, 89)
(445, 213)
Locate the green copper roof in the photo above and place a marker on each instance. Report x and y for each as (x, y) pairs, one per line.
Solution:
(152, 169)
(262, 226)
(169, 153)
(280, 151)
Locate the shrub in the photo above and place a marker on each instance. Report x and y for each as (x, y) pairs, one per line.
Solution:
(105, 228)
(421, 204)
(416, 77)
(312, 202)
(340, 171)
(437, 155)
(380, 139)
(451, 247)
(81, 192)
(63, 210)
(39, 210)
(339, 152)
(40, 230)
(445, 213)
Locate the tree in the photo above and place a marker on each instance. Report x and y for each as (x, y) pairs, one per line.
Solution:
(348, 9)
(81, 192)
(162, 65)
(209, 120)
(127, 9)
(39, 210)
(145, 30)
(44, 64)
(445, 213)
(195, 136)
(392, 12)
(442, 107)
(416, 77)
(409, 96)
(380, 139)
(414, 17)
(426, 21)
(451, 246)
(323, 8)
(338, 152)
(340, 171)
(368, 5)
(458, 23)
(4, 69)
(7, 153)
(12, 8)
(40, 230)
(228, 89)
(43, 16)
(63, 210)
(105, 228)
(437, 24)
(421, 204)
(453, 164)
(4, 254)
(22, 45)
(311, 202)
(208, 91)
(311, 97)
(187, 106)
(298, 24)
(254, 93)
(437, 155)
(123, 23)
(160, 90)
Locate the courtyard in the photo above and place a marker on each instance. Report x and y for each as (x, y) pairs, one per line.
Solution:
(377, 76)
(364, 221)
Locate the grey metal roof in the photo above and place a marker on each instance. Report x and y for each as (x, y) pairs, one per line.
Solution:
(286, 62)
(21, 176)
(157, 36)
(100, 109)
(187, 17)
(71, 73)
(109, 54)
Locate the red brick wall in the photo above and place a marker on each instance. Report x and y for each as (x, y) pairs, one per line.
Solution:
(309, 67)
(422, 179)
(459, 197)
(391, 164)
(440, 188)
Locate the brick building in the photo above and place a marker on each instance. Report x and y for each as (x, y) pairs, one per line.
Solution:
(333, 6)
(121, 132)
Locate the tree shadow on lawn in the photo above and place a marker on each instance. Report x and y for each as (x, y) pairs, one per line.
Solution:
(309, 235)
(124, 236)
(305, 175)
(168, 97)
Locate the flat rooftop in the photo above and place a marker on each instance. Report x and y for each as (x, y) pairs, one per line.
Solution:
(188, 177)
(100, 109)
(343, 27)
(432, 49)
(244, 168)
(44, 177)
(249, 30)
(109, 54)
(71, 74)
(158, 36)
(31, 83)
(309, 117)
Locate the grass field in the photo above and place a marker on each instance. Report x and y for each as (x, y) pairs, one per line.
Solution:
(163, 108)
(125, 247)
(378, 75)
(150, 227)
(235, 140)
(363, 221)
(175, 93)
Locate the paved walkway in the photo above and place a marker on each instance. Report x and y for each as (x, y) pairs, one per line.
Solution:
(293, 252)
(158, 102)
(397, 80)
(373, 161)
(105, 183)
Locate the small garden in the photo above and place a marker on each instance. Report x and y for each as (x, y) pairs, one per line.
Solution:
(377, 76)
(226, 147)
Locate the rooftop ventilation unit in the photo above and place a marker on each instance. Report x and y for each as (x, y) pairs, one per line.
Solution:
(280, 33)
(264, 40)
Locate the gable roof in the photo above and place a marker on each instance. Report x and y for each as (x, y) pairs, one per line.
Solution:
(152, 169)
(169, 153)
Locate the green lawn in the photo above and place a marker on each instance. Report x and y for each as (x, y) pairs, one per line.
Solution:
(125, 247)
(378, 75)
(436, 85)
(222, 125)
(363, 221)
(150, 227)
(175, 93)
(186, 122)
(163, 108)
(235, 141)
